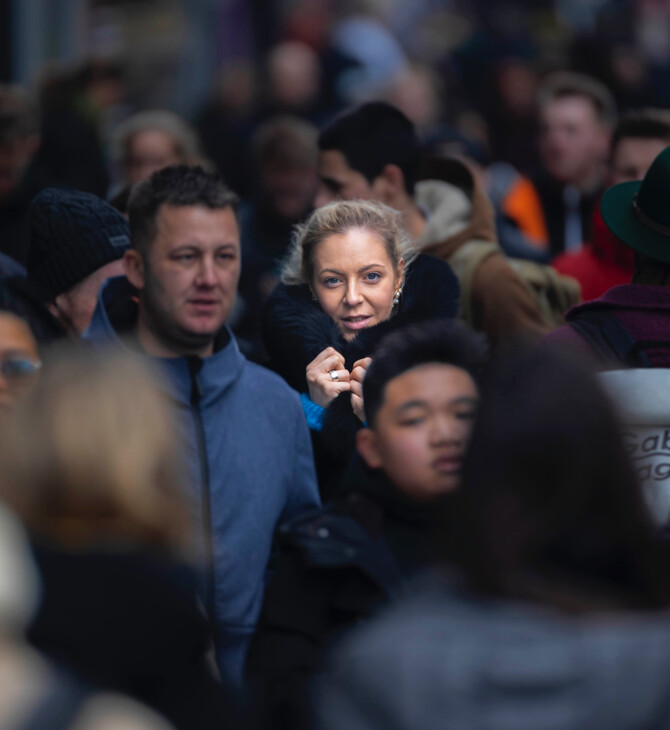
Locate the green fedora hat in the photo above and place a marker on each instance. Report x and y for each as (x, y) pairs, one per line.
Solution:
(638, 213)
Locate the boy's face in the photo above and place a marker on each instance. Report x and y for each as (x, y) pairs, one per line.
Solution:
(422, 429)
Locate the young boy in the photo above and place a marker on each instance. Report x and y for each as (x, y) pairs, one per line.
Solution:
(340, 563)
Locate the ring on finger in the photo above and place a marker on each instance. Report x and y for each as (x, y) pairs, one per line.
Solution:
(333, 375)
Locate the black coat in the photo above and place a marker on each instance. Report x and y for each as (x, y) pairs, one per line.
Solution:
(337, 566)
(127, 621)
(296, 330)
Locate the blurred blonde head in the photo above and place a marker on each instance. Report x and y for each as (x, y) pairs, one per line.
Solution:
(90, 456)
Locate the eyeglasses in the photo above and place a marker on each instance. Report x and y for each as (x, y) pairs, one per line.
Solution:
(16, 368)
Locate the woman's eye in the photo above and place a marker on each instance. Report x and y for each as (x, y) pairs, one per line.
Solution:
(373, 276)
(331, 281)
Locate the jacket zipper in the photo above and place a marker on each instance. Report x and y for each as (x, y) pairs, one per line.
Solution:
(194, 365)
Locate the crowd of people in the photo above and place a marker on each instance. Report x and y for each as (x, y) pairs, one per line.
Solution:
(377, 438)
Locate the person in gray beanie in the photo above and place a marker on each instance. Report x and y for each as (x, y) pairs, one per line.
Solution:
(77, 241)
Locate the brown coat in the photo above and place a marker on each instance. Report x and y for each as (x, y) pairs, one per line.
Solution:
(501, 304)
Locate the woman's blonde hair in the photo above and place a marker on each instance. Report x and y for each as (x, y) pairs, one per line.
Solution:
(91, 456)
(336, 219)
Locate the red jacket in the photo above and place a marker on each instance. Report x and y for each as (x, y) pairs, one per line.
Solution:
(600, 265)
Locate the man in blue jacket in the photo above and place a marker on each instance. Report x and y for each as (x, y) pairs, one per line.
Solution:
(246, 439)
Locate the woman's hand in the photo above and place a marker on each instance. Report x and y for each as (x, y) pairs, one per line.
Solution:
(323, 388)
(356, 384)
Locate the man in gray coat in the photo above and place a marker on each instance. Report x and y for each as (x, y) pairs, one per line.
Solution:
(248, 447)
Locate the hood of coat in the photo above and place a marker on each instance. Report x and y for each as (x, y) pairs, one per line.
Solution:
(455, 214)
(296, 329)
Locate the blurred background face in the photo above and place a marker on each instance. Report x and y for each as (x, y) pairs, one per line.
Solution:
(14, 158)
(573, 142)
(148, 151)
(632, 157)
(288, 189)
(19, 359)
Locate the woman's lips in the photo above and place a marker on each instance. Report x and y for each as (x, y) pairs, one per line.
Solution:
(356, 323)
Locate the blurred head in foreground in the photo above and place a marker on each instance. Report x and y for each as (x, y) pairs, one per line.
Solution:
(89, 456)
(550, 509)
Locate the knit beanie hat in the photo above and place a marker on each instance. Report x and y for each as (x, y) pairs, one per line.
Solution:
(72, 234)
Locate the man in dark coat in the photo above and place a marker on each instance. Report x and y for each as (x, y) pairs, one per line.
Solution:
(77, 242)
(577, 114)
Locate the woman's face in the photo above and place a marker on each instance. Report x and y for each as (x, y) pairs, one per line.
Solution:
(355, 280)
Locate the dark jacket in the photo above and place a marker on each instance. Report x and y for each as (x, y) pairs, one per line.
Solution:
(337, 567)
(296, 330)
(126, 620)
(642, 309)
(552, 197)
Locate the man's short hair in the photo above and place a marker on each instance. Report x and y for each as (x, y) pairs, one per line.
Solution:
(448, 342)
(566, 83)
(374, 135)
(643, 124)
(177, 185)
(18, 114)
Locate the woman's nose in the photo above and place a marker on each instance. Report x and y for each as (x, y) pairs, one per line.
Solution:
(353, 294)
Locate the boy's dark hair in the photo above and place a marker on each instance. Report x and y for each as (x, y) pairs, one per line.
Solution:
(374, 135)
(449, 342)
(643, 124)
(177, 185)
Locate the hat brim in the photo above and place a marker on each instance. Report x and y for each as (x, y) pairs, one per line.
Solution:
(616, 207)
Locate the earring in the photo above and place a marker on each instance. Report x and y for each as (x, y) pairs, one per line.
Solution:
(315, 300)
(396, 297)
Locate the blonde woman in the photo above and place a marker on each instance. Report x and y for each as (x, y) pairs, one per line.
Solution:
(91, 463)
(351, 277)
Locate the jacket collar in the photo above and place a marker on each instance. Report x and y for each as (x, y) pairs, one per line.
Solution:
(114, 322)
(628, 296)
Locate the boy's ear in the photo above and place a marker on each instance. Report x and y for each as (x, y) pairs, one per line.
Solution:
(366, 443)
(134, 266)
